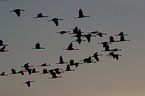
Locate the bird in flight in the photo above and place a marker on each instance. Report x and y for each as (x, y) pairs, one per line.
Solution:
(55, 20)
(61, 61)
(63, 32)
(70, 47)
(37, 46)
(17, 11)
(3, 74)
(115, 56)
(96, 56)
(81, 15)
(43, 65)
(40, 16)
(28, 83)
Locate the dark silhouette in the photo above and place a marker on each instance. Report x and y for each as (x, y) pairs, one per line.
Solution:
(112, 39)
(93, 32)
(101, 34)
(70, 47)
(53, 74)
(57, 70)
(13, 71)
(96, 56)
(21, 72)
(63, 32)
(55, 20)
(77, 64)
(121, 34)
(26, 66)
(72, 63)
(115, 56)
(3, 74)
(28, 83)
(28, 70)
(105, 44)
(43, 65)
(88, 60)
(122, 38)
(88, 36)
(37, 46)
(75, 30)
(79, 40)
(3, 49)
(17, 11)
(68, 68)
(114, 50)
(44, 71)
(61, 61)
(2, 43)
(40, 16)
(107, 48)
(34, 71)
(81, 15)
(78, 34)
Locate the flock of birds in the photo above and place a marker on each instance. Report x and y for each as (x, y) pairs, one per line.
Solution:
(79, 35)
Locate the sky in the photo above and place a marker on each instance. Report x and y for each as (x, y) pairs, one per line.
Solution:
(108, 77)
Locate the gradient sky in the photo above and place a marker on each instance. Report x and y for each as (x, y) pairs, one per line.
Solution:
(109, 77)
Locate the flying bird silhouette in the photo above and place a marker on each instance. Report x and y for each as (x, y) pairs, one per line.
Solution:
(61, 61)
(88, 60)
(115, 56)
(37, 46)
(63, 32)
(55, 20)
(122, 38)
(17, 11)
(57, 70)
(13, 71)
(121, 34)
(72, 63)
(112, 39)
(28, 83)
(43, 65)
(53, 74)
(96, 56)
(26, 66)
(3, 74)
(45, 71)
(81, 15)
(70, 47)
(88, 37)
(68, 68)
(40, 16)
(34, 71)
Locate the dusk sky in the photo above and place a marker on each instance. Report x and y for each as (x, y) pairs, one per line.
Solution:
(108, 77)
